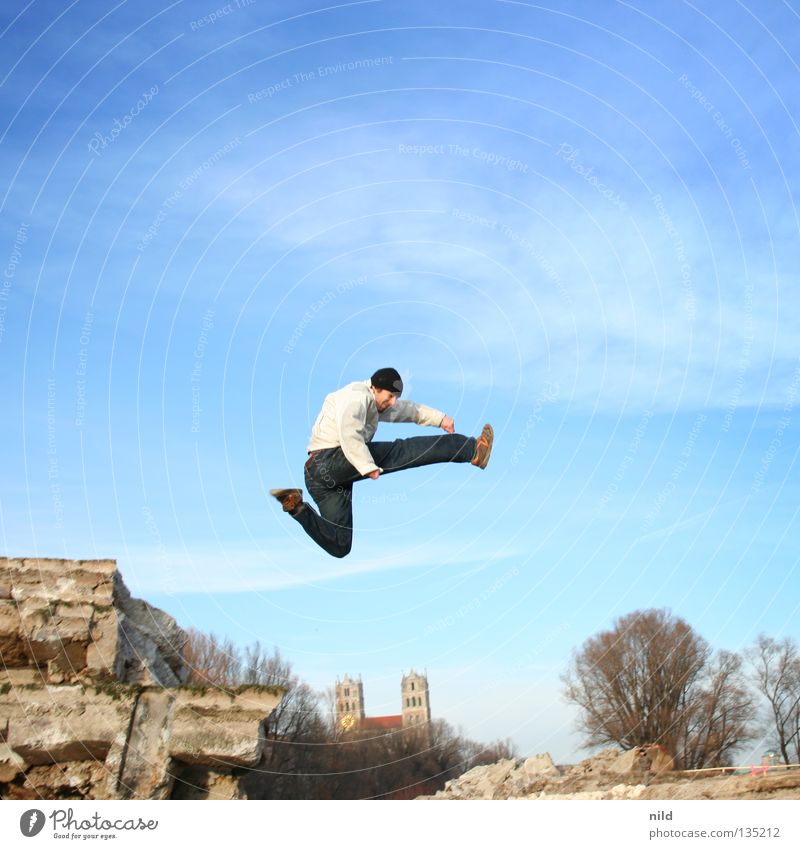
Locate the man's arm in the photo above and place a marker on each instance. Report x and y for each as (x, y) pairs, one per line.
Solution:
(351, 423)
(411, 411)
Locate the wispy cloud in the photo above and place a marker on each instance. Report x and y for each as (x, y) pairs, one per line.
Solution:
(233, 568)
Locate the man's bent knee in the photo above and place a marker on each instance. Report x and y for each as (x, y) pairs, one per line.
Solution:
(341, 549)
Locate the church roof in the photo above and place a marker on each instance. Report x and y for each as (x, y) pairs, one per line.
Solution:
(381, 722)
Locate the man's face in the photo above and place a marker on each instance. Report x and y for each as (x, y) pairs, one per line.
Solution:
(385, 399)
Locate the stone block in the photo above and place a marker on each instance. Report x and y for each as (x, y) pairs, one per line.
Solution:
(224, 787)
(150, 640)
(196, 784)
(64, 723)
(540, 765)
(218, 729)
(73, 780)
(626, 762)
(144, 771)
(102, 652)
(11, 764)
(51, 579)
(13, 649)
(66, 666)
(65, 612)
(8, 567)
(21, 677)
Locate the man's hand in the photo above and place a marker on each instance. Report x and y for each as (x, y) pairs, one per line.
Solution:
(374, 475)
(447, 424)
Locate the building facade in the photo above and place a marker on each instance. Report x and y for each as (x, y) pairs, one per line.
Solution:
(416, 703)
(415, 706)
(349, 703)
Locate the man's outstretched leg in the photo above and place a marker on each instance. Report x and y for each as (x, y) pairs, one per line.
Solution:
(332, 527)
(329, 478)
(427, 450)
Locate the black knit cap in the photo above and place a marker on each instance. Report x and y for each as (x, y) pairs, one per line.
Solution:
(388, 378)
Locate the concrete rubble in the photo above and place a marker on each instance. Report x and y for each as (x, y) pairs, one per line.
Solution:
(612, 774)
(92, 702)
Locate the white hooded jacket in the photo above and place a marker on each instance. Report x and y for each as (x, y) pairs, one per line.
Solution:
(349, 418)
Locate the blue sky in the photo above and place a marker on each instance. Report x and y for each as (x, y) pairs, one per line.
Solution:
(575, 220)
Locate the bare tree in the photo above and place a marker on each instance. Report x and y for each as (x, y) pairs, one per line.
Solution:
(651, 679)
(631, 682)
(298, 715)
(719, 716)
(776, 673)
(404, 763)
(212, 662)
(295, 730)
(327, 698)
(477, 754)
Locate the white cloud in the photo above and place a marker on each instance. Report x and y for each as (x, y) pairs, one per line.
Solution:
(649, 303)
(234, 568)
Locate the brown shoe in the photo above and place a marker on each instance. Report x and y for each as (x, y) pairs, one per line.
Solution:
(290, 499)
(483, 447)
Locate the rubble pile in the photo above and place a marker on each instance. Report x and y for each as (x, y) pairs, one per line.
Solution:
(612, 774)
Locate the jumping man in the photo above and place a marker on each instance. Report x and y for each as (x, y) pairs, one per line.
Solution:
(341, 452)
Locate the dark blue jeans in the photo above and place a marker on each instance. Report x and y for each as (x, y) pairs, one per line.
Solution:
(330, 478)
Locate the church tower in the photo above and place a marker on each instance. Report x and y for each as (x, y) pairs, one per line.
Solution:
(415, 701)
(349, 703)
